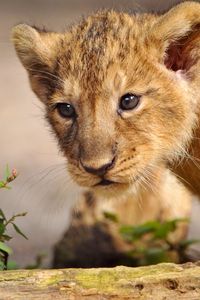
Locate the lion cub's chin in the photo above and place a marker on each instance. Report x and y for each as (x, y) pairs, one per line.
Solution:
(115, 190)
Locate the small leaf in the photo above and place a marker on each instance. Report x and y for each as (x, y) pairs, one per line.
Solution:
(163, 231)
(6, 237)
(2, 184)
(2, 214)
(110, 216)
(20, 215)
(132, 233)
(165, 228)
(2, 229)
(7, 172)
(17, 216)
(19, 231)
(5, 248)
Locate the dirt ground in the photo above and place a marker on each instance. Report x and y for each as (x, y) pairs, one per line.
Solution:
(43, 188)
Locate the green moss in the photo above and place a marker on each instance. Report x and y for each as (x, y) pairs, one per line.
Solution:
(16, 275)
(108, 280)
(52, 280)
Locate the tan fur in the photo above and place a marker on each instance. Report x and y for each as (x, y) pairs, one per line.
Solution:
(96, 62)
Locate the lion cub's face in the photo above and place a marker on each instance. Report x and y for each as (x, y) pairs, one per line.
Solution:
(119, 105)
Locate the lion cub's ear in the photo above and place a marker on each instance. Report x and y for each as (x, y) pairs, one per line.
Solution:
(177, 36)
(37, 51)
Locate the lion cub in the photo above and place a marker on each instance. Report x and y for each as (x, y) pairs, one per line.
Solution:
(121, 93)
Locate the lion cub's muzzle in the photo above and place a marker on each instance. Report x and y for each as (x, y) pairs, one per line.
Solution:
(100, 168)
(98, 156)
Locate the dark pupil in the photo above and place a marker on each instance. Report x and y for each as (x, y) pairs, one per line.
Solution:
(66, 110)
(129, 101)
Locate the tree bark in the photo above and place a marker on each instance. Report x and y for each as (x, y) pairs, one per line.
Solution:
(162, 281)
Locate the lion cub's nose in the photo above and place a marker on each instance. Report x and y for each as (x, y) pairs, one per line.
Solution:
(101, 170)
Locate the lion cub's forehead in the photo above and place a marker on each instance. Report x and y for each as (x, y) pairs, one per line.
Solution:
(93, 46)
(113, 85)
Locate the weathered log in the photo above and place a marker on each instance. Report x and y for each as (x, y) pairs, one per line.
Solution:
(162, 281)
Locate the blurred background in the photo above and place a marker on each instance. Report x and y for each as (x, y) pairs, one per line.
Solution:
(43, 188)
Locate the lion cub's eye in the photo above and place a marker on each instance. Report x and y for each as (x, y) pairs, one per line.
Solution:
(66, 110)
(129, 101)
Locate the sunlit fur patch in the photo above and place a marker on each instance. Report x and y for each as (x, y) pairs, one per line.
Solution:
(116, 79)
(72, 89)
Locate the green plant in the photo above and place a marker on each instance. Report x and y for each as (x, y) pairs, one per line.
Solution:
(5, 222)
(150, 242)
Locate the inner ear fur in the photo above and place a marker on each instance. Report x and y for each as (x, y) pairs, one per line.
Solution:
(177, 36)
(37, 50)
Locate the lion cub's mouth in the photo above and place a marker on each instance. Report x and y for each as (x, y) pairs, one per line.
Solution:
(105, 182)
